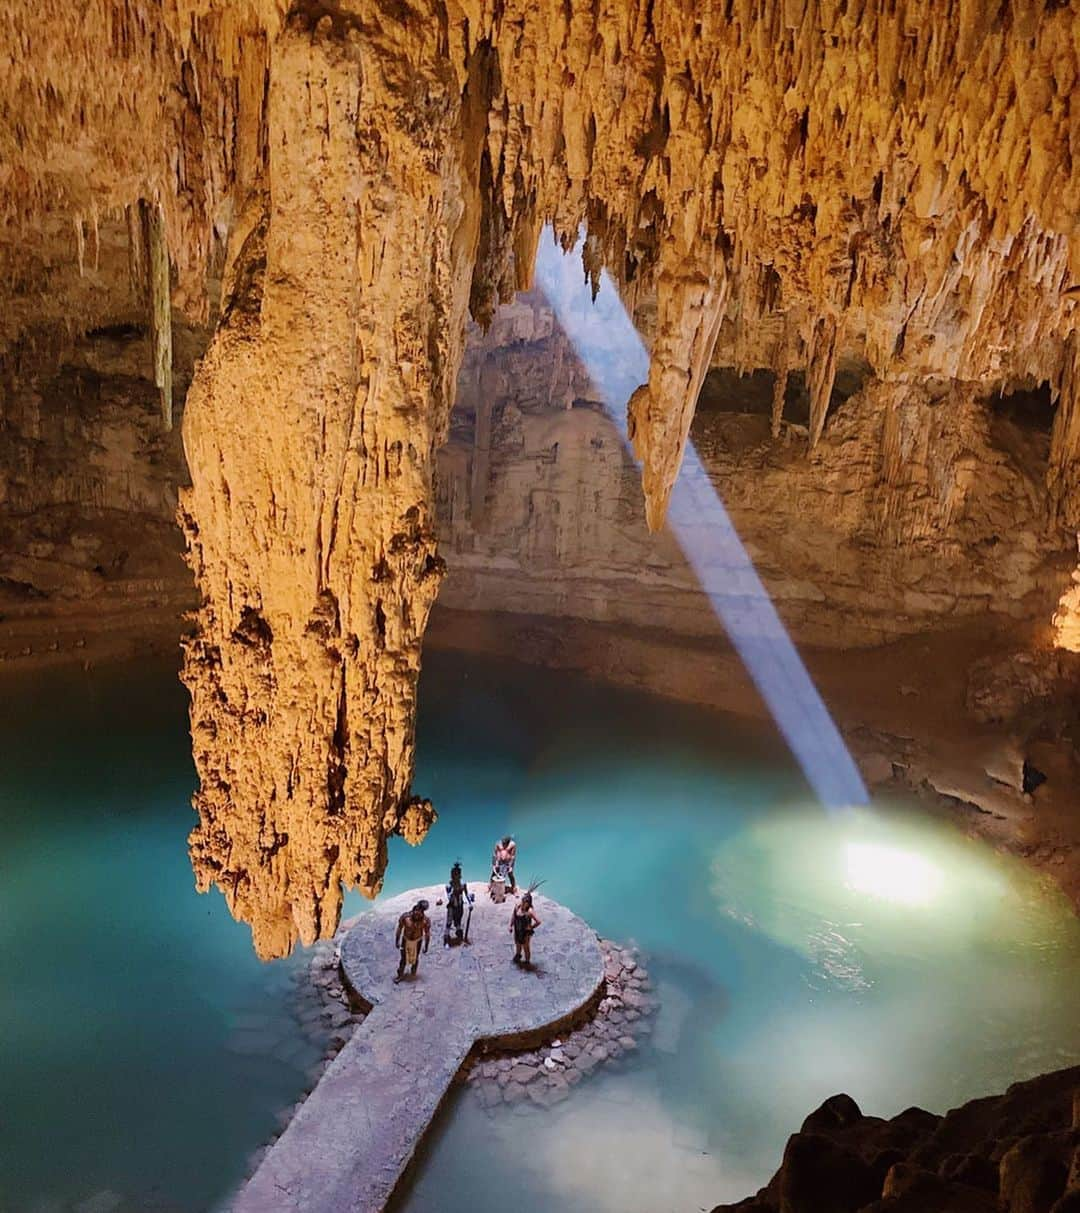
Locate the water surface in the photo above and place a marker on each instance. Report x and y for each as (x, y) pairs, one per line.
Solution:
(144, 1050)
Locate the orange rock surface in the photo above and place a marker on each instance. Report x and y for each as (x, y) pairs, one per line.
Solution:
(889, 179)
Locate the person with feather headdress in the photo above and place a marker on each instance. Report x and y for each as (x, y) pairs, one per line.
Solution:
(457, 897)
(523, 922)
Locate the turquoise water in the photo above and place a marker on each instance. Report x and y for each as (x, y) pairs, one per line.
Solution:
(795, 953)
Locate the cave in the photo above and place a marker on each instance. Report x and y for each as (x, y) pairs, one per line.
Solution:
(635, 447)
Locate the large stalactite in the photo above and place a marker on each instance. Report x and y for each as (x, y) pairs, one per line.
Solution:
(312, 426)
(895, 180)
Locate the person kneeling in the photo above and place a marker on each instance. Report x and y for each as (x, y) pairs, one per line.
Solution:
(503, 859)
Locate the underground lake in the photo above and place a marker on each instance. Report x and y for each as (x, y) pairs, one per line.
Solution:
(145, 1052)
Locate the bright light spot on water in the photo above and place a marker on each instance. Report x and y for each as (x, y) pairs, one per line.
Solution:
(613, 354)
(839, 891)
(892, 875)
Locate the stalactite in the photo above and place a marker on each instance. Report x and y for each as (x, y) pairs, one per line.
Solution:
(822, 348)
(785, 356)
(136, 250)
(157, 262)
(80, 244)
(1063, 468)
(1063, 484)
(310, 431)
(689, 312)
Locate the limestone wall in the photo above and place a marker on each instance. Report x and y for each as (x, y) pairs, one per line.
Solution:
(88, 480)
(917, 510)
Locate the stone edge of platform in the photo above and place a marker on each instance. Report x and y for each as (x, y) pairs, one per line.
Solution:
(527, 1038)
(524, 1039)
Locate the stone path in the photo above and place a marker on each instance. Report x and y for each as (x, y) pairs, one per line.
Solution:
(347, 1146)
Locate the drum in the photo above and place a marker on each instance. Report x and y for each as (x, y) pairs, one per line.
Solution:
(497, 890)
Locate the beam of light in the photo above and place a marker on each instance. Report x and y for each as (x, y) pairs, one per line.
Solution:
(617, 361)
(892, 875)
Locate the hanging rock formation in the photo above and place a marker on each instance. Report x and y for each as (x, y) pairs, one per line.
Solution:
(894, 179)
(313, 422)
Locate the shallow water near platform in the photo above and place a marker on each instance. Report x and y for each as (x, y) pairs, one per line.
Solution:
(144, 1050)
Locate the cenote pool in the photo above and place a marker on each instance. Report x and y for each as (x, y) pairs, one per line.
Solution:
(795, 953)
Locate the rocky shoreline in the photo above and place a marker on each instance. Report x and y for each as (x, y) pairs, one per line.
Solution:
(1013, 1153)
(544, 1076)
(959, 719)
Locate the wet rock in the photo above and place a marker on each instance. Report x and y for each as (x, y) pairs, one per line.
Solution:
(876, 768)
(819, 1175)
(1013, 1153)
(911, 1189)
(999, 687)
(1034, 1172)
(560, 1063)
(490, 1096)
(559, 1088)
(336, 1016)
(972, 1170)
(837, 1112)
(588, 1062)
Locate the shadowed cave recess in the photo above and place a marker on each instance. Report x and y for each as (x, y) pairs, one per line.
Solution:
(280, 385)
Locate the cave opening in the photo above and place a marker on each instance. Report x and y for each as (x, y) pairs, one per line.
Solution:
(725, 391)
(1030, 408)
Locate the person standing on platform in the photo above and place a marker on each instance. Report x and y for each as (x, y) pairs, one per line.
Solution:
(412, 929)
(457, 896)
(523, 922)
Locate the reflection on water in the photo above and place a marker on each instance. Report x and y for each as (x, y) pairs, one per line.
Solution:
(138, 1033)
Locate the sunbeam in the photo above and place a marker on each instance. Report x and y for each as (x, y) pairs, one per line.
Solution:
(617, 361)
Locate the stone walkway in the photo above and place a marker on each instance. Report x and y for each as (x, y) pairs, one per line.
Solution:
(347, 1146)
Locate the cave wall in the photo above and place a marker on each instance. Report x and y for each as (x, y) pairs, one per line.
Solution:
(912, 514)
(88, 492)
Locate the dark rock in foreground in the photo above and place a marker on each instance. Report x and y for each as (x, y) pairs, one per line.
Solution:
(1012, 1153)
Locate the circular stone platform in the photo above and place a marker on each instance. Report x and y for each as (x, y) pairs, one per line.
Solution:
(478, 980)
(349, 1143)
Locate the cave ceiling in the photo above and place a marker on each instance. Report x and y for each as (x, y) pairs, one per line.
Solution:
(337, 186)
